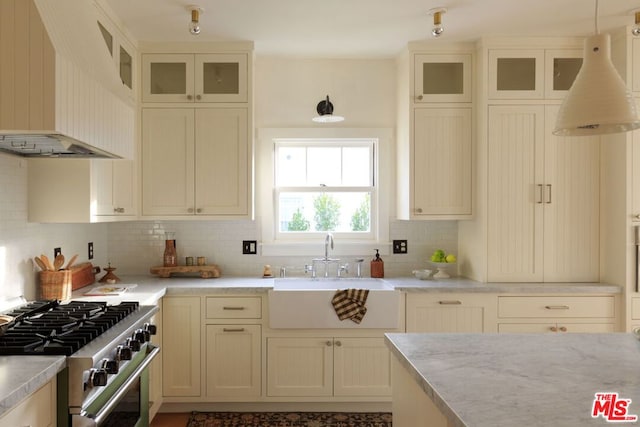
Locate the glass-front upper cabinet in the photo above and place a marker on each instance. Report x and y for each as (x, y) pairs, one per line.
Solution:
(120, 50)
(194, 77)
(516, 74)
(561, 68)
(442, 78)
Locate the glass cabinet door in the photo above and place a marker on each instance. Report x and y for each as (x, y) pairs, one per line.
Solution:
(126, 68)
(167, 78)
(561, 69)
(516, 74)
(221, 78)
(442, 78)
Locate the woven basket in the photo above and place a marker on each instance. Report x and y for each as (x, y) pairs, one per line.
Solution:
(55, 285)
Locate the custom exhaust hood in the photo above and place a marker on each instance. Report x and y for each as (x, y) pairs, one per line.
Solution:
(60, 92)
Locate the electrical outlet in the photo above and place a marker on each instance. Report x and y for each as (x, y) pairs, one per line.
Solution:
(56, 252)
(90, 250)
(249, 247)
(400, 247)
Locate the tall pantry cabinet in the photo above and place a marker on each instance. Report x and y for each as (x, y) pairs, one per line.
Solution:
(197, 138)
(537, 212)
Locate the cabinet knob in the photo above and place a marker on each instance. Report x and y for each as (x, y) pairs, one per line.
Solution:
(199, 210)
(419, 97)
(198, 97)
(636, 216)
(563, 329)
(338, 344)
(190, 210)
(329, 343)
(553, 329)
(418, 210)
(190, 97)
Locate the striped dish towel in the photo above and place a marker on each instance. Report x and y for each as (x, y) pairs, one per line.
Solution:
(350, 304)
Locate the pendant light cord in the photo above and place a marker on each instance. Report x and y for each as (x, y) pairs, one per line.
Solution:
(597, 29)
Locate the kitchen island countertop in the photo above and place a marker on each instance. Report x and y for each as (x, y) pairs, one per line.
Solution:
(521, 379)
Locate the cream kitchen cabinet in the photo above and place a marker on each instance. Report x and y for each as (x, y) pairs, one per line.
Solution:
(233, 335)
(442, 77)
(96, 190)
(181, 357)
(542, 199)
(37, 410)
(196, 161)
(155, 368)
(453, 312)
(532, 73)
(328, 367)
(186, 77)
(557, 313)
(635, 174)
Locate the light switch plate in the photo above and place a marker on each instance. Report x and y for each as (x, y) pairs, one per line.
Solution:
(249, 247)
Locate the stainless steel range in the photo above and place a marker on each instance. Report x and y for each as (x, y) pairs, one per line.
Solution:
(108, 351)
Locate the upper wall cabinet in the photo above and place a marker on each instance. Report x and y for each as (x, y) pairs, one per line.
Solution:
(635, 83)
(121, 50)
(442, 78)
(532, 73)
(217, 77)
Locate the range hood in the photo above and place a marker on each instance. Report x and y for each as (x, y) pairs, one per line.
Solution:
(62, 96)
(50, 145)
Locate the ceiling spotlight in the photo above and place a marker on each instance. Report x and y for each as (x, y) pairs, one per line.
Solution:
(635, 30)
(598, 102)
(194, 25)
(325, 113)
(437, 13)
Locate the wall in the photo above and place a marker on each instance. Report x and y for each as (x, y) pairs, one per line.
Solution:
(286, 92)
(20, 240)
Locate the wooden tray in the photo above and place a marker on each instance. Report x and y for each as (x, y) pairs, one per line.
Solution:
(205, 271)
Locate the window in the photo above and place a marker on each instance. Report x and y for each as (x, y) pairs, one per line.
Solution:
(324, 185)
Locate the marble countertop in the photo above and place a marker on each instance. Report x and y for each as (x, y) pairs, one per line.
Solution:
(493, 380)
(19, 379)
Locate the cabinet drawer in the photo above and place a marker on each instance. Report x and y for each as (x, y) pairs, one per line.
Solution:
(554, 307)
(556, 327)
(234, 308)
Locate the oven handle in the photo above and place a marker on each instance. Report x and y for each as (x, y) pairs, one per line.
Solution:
(111, 403)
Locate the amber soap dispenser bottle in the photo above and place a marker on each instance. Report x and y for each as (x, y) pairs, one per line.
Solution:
(377, 266)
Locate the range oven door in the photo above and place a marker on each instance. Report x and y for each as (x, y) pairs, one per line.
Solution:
(124, 402)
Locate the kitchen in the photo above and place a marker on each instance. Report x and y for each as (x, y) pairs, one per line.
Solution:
(134, 246)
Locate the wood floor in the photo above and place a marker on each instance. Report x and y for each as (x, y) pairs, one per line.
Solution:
(170, 420)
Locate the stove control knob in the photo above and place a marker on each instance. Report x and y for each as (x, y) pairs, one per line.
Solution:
(151, 328)
(133, 344)
(142, 336)
(112, 366)
(97, 377)
(124, 352)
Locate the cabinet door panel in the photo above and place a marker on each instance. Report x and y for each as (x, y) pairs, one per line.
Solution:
(515, 183)
(233, 360)
(181, 352)
(362, 367)
(167, 78)
(221, 161)
(299, 367)
(167, 161)
(221, 77)
(442, 78)
(571, 206)
(441, 159)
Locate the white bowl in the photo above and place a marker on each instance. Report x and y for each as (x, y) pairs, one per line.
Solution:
(422, 274)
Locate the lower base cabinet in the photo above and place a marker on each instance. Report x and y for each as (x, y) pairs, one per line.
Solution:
(453, 312)
(328, 366)
(37, 410)
(233, 361)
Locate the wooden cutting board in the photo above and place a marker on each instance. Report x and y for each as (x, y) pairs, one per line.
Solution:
(205, 271)
(83, 274)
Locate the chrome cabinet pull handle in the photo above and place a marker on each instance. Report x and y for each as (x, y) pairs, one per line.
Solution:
(450, 302)
(540, 190)
(233, 308)
(556, 307)
(232, 329)
(549, 193)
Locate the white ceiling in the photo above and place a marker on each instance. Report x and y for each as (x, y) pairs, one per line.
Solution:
(363, 28)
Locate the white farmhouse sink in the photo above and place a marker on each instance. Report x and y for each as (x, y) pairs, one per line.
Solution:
(306, 304)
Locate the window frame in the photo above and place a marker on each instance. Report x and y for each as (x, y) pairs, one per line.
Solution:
(372, 188)
(265, 182)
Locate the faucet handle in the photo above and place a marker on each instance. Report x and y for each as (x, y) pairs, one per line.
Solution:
(343, 268)
(308, 268)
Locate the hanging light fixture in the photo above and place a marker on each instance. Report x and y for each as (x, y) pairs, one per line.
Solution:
(325, 112)
(437, 13)
(194, 25)
(635, 30)
(598, 102)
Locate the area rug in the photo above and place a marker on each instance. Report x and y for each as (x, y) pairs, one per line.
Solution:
(289, 419)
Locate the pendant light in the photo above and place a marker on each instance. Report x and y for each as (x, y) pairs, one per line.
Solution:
(325, 113)
(437, 13)
(194, 25)
(598, 102)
